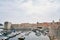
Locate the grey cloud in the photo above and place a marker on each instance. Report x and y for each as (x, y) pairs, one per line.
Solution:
(11, 10)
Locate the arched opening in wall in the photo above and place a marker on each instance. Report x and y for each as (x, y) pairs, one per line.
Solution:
(58, 31)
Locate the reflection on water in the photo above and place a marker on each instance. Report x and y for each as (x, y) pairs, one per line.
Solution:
(32, 35)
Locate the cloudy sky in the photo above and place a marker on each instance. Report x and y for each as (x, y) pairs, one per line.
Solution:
(31, 11)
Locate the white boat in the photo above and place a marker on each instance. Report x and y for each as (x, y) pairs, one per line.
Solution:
(0, 34)
(13, 34)
(3, 38)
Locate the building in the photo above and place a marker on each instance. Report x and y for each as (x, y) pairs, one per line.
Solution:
(7, 25)
(54, 27)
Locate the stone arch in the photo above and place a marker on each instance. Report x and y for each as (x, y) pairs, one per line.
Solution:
(58, 31)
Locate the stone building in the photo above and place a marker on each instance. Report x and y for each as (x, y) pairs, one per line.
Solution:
(22, 25)
(54, 27)
(7, 25)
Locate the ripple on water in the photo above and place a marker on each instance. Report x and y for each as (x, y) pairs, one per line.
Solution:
(32, 36)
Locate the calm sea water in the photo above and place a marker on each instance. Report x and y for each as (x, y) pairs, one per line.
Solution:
(32, 36)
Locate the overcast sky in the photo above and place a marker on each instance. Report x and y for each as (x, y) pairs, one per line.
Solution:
(31, 11)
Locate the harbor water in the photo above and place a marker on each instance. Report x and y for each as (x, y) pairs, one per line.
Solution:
(31, 36)
(28, 35)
